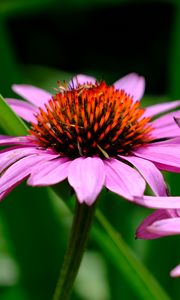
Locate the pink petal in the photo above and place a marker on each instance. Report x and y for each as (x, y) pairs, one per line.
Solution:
(11, 155)
(150, 173)
(167, 131)
(21, 140)
(49, 172)
(132, 84)
(173, 213)
(81, 79)
(86, 176)
(158, 202)
(170, 142)
(175, 272)
(165, 120)
(12, 187)
(23, 109)
(167, 143)
(177, 120)
(20, 170)
(168, 168)
(31, 93)
(166, 155)
(164, 227)
(160, 108)
(123, 180)
(143, 233)
(17, 173)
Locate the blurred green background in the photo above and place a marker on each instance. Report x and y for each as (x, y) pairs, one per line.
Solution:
(44, 41)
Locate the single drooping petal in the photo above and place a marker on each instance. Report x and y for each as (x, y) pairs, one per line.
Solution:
(31, 93)
(156, 109)
(169, 226)
(86, 176)
(168, 156)
(158, 202)
(23, 109)
(150, 173)
(143, 233)
(123, 180)
(160, 223)
(81, 79)
(175, 272)
(49, 172)
(133, 84)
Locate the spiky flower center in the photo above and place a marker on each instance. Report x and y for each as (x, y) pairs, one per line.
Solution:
(91, 120)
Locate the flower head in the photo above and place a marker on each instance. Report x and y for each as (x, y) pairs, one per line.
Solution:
(91, 120)
(93, 135)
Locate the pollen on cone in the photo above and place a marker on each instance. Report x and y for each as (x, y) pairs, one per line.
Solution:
(92, 119)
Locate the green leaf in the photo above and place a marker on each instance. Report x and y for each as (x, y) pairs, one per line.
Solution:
(38, 238)
(10, 7)
(124, 259)
(10, 123)
(115, 249)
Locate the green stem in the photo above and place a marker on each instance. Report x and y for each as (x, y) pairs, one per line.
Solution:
(138, 277)
(79, 235)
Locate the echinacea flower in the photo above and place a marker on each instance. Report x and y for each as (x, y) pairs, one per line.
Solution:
(159, 224)
(93, 135)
